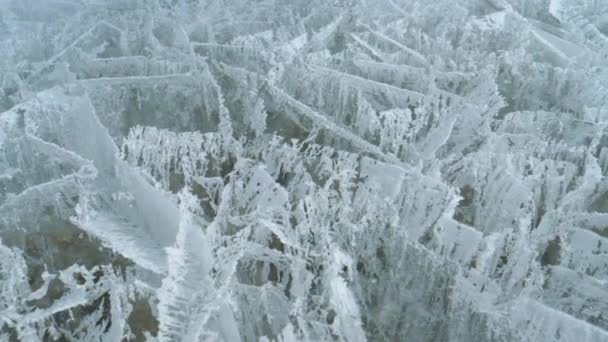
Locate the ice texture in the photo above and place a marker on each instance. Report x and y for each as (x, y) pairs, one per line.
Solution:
(304, 170)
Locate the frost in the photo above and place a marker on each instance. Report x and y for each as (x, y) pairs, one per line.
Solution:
(391, 170)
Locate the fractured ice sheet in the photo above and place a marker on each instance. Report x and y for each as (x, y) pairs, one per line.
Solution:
(304, 170)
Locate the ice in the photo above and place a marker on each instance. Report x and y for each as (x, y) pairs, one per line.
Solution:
(303, 170)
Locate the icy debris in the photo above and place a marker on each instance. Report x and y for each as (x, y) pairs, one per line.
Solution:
(303, 170)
